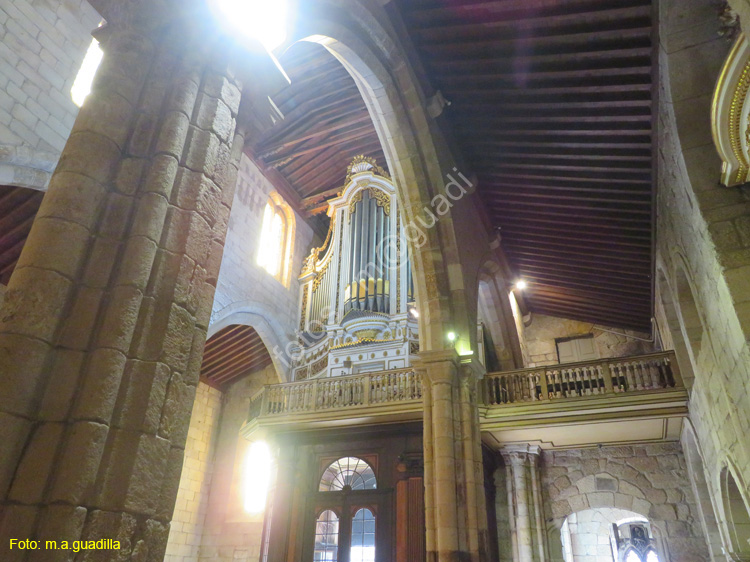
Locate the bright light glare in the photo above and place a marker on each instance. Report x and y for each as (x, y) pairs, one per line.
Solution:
(85, 77)
(264, 20)
(521, 285)
(257, 477)
(414, 313)
(452, 336)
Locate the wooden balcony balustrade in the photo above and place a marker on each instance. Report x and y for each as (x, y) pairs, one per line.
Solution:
(656, 371)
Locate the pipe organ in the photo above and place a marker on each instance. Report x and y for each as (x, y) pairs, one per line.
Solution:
(357, 299)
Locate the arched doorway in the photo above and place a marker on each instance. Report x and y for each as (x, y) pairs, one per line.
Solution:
(608, 534)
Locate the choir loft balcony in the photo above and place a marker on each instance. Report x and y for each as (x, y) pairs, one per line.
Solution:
(586, 403)
(378, 397)
(558, 406)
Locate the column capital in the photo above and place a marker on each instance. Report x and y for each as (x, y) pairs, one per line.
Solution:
(521, 452)
(437, 366)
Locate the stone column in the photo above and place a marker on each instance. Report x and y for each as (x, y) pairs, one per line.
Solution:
(105, 317)
(456, 517)
(524, 502)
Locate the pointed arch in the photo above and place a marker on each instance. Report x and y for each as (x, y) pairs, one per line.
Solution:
(736, 512)
(417, 155)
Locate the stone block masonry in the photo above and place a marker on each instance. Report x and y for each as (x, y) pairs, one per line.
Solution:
(42, 45)
(649, 479)
(244, 286)
(195, 483)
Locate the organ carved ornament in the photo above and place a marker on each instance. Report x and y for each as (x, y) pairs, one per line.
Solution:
(358, 284)
(730, 125)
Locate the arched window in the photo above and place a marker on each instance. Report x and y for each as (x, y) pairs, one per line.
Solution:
(632, 556)
(652, 556)
(326, 537)
(274, 249)
(363, 537)
(348, 471)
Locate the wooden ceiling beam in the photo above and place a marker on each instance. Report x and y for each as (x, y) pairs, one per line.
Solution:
(364, 131)
(593, 222)
(613, 319)
(528, 78)
(355, 117)
(592, 58)
(544, 234)
(541, 22)
(583, 41)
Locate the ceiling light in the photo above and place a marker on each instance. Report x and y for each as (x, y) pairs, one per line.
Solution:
(263, 20)
(521, 285)
(451, 336)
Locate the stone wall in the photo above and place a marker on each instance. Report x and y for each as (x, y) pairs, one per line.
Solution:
(243, 286)
(541, 333)
(701, 241)
(195, 482)
(230, 534)
(649, 479)
(42, 45)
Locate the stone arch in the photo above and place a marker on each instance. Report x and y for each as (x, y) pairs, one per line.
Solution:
(692, 55)
(690, 315)
(263, 320)
(671, 333)
(697, 474)
(587, 528)
(417, 155)
(494, 307)
(648, 480)
(736, 512)
(26, 167)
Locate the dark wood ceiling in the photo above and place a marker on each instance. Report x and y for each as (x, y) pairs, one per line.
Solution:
(231, 354)
(18, 207)
(325, 125)
(551, 103)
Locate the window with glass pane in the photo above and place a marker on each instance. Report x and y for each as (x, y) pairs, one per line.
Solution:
(326, 537)
(272, 240)
(632, 557)
(348, 471)
(652, 556)
(363, 537)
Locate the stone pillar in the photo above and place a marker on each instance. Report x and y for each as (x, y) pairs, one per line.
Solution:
(525, 502)
(456, 516)
(105, 317)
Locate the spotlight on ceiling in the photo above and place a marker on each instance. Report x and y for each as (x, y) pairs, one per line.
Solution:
(451, 336)
(521, 285)
(262, 20)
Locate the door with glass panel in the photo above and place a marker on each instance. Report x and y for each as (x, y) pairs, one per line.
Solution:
(347, 525)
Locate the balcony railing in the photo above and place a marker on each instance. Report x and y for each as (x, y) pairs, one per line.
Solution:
(575, 380)
(333, 393)
(643, 382)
